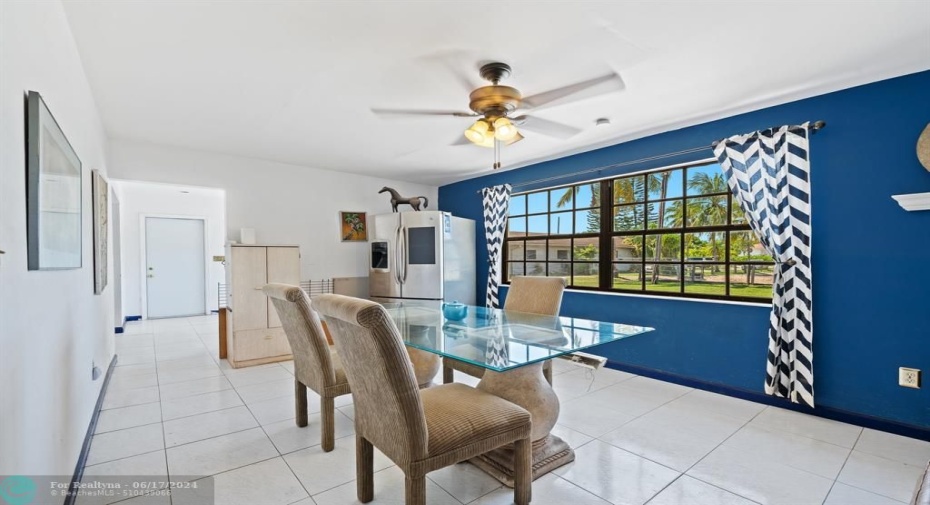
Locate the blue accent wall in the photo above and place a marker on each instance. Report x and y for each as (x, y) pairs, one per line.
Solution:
(871, 259)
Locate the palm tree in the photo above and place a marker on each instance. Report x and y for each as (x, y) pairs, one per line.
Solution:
(709, 210)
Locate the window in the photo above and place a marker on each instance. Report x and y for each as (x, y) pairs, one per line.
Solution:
(670, 232)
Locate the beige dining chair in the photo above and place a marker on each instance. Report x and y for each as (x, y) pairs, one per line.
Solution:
(419, 430)
(532, 295)
(316, 364)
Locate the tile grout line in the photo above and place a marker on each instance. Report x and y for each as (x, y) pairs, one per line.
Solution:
(846, 460)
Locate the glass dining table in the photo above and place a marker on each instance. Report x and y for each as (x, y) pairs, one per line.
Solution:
(511, 347)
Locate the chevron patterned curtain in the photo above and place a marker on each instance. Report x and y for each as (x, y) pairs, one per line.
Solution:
(496, 201)
(769, 174)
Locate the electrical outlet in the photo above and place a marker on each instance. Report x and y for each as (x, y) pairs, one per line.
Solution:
(909, 377)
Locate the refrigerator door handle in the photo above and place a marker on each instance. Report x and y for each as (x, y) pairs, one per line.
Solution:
(406, 254)
(397, 256)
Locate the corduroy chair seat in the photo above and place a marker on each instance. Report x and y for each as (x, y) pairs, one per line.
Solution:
(458, 415)
(341, 380)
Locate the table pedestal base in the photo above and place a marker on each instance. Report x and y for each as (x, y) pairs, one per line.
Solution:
(548, 454)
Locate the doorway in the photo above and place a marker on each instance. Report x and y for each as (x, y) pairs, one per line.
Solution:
(175, 269)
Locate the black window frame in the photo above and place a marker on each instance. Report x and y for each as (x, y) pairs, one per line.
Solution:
(606, 237)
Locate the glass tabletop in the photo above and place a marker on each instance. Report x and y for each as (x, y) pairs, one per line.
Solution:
(497, 340)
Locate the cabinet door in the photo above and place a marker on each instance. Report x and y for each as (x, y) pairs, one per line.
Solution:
(250, 305)
(284, 268)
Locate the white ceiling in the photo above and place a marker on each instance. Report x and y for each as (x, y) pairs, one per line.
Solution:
(294, 81)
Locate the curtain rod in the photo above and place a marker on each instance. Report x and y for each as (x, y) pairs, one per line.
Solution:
(816, 125)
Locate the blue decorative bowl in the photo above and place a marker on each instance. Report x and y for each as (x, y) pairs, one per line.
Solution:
(454, 311)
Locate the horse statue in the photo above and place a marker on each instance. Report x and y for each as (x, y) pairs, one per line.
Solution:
(396, 199)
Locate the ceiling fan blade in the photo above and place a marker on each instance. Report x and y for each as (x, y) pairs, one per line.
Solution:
(422, 112)
(579, 91)
(546, 127)
(461, 140)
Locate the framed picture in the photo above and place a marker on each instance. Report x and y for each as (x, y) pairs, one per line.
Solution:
(100, 192)
(53, 192)
(353, 226)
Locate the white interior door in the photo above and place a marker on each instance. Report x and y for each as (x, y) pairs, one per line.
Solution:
(174, 275)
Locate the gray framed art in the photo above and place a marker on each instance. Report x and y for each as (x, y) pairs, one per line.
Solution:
(53, 192)
(100, 193)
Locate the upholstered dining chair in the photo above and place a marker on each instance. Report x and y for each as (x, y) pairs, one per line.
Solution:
(316, 364)
(532, 295)
(419, 430)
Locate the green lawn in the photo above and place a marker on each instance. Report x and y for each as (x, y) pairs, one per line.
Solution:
(669, 286)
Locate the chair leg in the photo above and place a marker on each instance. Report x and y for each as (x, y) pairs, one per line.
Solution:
(300, 403)
(523, 471)
(328, 430)
(364, 469)
(415, 490)
(448, 374)
(547, 371)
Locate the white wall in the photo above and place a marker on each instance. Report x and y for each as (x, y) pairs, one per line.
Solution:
(138, 199)
(285, 204)
(52, 326)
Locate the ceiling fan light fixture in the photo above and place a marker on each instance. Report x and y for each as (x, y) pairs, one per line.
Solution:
(479, 132)
(504, 130)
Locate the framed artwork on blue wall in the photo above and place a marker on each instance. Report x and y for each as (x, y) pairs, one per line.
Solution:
(53, 192)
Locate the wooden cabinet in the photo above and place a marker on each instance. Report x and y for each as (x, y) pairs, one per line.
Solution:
(254, 332)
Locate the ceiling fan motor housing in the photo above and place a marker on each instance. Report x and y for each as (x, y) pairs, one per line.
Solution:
(494, 101)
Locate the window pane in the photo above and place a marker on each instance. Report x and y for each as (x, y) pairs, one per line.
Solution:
(537, 202)
(744, 246)
(663, 247)
(668, 213)
(706, 180)
(561, 198)
(588, 196)
(538, 225)
(560, 223)
(513, 269)
(707, 211)
(665, 184)
(536, 250)
(664, 278)
(628, 217)
(627, 248)
(629, 190)
(516, 227)
(705, 279)
(588, 221)
(628, 276)
(560, 270)
(535, 269)
(751, 280)
(707, 246)
(515, 250)
(585, 274)
(517, 205)
(737, 214)
(560, 249)
(586, 249)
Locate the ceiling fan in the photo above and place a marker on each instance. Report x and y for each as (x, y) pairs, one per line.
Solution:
(497, 106)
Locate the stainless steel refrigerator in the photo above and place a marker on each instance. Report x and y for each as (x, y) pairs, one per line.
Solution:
(428, 255)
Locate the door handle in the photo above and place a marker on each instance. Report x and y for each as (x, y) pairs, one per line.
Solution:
(404, 233)
(397, 261)
(150, 276)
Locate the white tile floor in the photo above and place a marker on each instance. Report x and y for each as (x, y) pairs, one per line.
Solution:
(174, 409)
